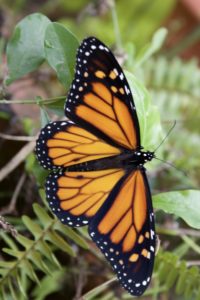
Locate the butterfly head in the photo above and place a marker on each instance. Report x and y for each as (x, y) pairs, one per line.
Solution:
(148, 156)
(141, 157)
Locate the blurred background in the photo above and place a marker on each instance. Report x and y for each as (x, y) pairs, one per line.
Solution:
(172, 77)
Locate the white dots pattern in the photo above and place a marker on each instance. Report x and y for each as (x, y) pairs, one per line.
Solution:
(134, 282)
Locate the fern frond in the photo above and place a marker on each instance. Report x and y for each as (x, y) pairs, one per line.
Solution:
(30, 255)
(174, 273)
(169, 273)
(172, 75)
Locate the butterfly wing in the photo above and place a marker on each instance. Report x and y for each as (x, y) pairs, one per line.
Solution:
(62, 144)
(116, 203)
(100, 99)
(75, 197)
(124, 231)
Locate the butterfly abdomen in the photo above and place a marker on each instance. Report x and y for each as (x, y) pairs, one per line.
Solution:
(124, 160)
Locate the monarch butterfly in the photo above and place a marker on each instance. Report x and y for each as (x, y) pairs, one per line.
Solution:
(98, 176)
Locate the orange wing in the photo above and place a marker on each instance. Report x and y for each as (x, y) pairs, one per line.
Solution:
(62, 144)
(124, 231)
(100, 99)
(75, 197)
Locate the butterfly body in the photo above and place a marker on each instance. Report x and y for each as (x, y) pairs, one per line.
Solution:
(97, 161)
(126, 160)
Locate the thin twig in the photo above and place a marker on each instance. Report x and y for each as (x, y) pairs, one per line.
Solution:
(16, 160)
(7, 227)
(11, 207)
(193, 263)
(101, 288)
(178, 231)
(33, 101)
(80, 284)
(17, 137)
(191, 243)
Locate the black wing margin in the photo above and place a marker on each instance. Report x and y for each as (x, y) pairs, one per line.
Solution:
(124, 231)
(101, 85)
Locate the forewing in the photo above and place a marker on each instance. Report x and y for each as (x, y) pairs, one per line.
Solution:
(62, 144)
(124, 231)
(75, 197)
(100, 98)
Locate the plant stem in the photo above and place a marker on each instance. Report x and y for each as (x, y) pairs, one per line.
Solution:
(191, 243)
(98, 289)
(116, 25)
(33, 101)
(178, 232)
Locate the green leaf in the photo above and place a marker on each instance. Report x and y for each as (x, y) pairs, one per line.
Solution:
(25, 49)
(44, 248)
(60, 50)
(97, 290)
(148, 114)
(59, 242)
(14, 253)
(3, 294)
(8, 240)
(56, 107)
(42, 215)
(27, 268)
(12, 290)
(20, 285)
(33, 166)
(34, 228)
(184, 204)
(49, 285)
(36, 259)
(44, 117)
(24, 241)
(69, 232)
(6, 264)
(155, 45)
(182, 278)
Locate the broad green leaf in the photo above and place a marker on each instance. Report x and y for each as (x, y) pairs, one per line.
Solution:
(25, 49)
(60, 50)
(56, 107)
(33, 166)
(184, 204)
(44, 117)
(148, 114)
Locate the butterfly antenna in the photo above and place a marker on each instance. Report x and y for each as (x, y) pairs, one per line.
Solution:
(168, 133)
(171, 165)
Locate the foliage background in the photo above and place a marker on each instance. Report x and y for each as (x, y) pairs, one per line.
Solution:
(46, 259)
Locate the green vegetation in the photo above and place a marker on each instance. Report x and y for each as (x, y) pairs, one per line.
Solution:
(44, 258)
